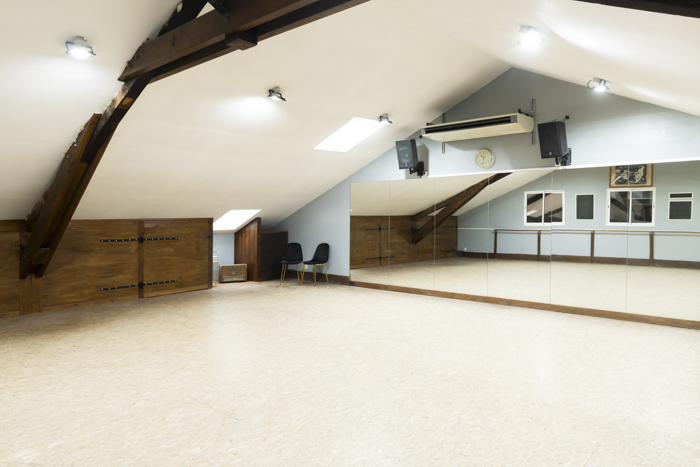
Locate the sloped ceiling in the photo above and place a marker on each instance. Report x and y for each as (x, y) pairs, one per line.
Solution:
(409, 197)
(206, 141)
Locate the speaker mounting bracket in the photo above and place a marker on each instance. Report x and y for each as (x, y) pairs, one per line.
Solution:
(419, 169)
(564, 161)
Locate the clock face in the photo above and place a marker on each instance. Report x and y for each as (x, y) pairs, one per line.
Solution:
(485, 158)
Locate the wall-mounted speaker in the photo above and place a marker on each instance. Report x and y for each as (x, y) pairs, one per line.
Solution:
(407, 154)
(552, 139)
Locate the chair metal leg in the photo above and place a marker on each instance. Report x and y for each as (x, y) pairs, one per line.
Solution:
(326, 271)
(302, 275)
(284, 271)
(314, 275)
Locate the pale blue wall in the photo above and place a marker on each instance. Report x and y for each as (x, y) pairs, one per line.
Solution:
(507, 212)
(223, 245)
(604, 129)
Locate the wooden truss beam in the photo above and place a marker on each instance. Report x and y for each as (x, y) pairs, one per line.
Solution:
(213, 35)
(456, 203)
(49, 218)
(689, 8)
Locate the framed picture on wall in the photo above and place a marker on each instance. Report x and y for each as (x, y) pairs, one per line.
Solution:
(639, 175)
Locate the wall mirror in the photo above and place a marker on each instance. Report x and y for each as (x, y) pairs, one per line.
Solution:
(620, 239)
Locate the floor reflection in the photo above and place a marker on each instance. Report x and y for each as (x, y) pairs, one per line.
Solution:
(653, 291)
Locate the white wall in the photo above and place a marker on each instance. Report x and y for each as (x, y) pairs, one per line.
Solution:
(604, 129)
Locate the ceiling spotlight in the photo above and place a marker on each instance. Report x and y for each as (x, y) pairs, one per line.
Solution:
(77, 47)
(275, 94)
(598, 85)
(385, 119)
(531, 36)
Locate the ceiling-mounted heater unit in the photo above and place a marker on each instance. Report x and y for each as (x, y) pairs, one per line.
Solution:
(510, 124)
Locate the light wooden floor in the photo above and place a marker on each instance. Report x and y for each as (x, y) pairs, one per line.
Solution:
(653, 291)
(262, 375)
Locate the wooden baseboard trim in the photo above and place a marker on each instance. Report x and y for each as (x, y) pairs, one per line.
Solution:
(659, 263)
(174, 291)
(48, 309)
(678, 323)
(9, 314)
(320, 277)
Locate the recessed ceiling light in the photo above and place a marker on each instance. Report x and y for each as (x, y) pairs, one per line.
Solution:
(531, 37)
(598, 85)
(77, 47)
(276, 95)
(385, 119)
(350, 135)
(234, 219)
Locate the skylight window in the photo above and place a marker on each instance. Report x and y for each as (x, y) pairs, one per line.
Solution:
(350, 135)
(234, 219)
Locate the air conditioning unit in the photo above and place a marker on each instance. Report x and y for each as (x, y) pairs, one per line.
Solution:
(511, 124)
(233, 273)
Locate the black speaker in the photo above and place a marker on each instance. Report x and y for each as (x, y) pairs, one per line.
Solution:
(553, 140)
(407, 153)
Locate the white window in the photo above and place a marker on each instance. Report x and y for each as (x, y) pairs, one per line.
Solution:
(544, 208)
(680, 206)
(585, 207)
(631, 206)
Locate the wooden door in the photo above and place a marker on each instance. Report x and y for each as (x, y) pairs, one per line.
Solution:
(86, 263)
(271, 249)
(9, 268)
(176, 250)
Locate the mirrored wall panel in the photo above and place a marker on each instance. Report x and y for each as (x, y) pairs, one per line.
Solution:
(622, 239)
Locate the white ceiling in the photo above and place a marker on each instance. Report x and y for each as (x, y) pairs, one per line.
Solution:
(409, 197)
(206, 141)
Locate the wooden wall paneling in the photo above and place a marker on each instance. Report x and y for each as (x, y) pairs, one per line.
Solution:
(384, 240)
(424, 250)
(186, 259)
(211, 253)
(364, 241)
(82, 265)
(246, 247)
(9, 268)
(400, 240)
(446, 239)
(271, 251)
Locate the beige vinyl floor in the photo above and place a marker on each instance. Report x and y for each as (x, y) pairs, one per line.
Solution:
(653, 291)
(262, 375)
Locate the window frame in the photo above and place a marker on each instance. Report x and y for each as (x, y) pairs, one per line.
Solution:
(676, 200)
(576, 206)
(629, 222)
(543, 223)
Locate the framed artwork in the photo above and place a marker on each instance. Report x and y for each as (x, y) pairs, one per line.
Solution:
(639, 175)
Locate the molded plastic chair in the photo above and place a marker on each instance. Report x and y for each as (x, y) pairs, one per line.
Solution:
(292, 255)
(320, 257)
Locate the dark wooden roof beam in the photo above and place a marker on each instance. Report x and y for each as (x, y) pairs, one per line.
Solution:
(689, 8)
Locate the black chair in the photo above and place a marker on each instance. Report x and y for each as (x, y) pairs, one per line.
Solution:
(320, 257)
(292, 255)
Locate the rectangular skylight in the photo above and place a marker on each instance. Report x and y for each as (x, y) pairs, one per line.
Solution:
(350, 135)
(234, 219)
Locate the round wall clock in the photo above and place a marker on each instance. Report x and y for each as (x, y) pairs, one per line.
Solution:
(485, 158)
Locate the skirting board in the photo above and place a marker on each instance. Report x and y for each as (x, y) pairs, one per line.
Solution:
(678, 323)
(320, 277)
(661, 263)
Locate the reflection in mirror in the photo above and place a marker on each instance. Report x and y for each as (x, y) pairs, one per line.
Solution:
(460, 265)
(663, 269)
(413, 235)
(369, 232)
(521, 209)
(589, 250)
